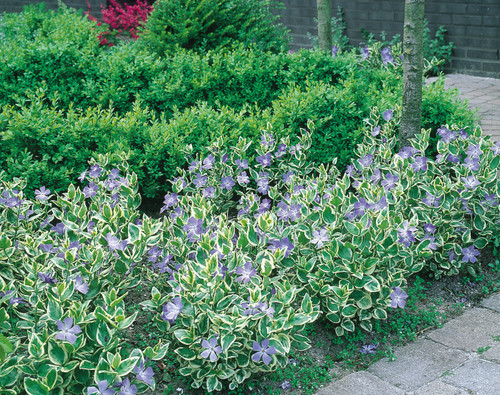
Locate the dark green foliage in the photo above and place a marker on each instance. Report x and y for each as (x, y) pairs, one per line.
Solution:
(65, 99)
(437, 47)
(203, 25)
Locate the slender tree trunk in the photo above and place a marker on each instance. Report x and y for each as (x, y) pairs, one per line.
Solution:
(411, 117)
(324, 25)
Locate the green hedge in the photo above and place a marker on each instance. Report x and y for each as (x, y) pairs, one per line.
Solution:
(64, 99)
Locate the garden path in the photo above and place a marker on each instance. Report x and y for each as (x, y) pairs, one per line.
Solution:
(462, 357)
(483, 94)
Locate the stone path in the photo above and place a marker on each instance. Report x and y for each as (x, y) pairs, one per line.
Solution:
(483, 94)
(462, 357)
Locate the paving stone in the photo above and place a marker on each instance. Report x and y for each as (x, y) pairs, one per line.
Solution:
(479, 376)
(493, 354)
(471, 330)
(417, 364)
(437, 387)
(360, 383)
(493, 302)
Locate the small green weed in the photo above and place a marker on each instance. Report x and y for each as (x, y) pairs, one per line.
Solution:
(481, 350)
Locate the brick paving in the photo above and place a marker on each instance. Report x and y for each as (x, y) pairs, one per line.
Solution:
(462, 357)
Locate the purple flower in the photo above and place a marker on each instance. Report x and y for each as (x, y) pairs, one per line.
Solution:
(48, 248)
(390, 181)
(284, 243)
(294, 211)
(114, 243)
(474, 151)
(368, 348)
(47, 278)
(430, 228)
(398, 297)
(127, 389)
(200, 180)
(376, 176)
(365, 52)
(90, 190)
(406, 235)
(171, 310)
(387, 115)
(432, 244)
(95, 171)
(285, 385)
(212, 349)
(263, 351)
(420, 164)
(287, 177)
(263, 183)
(496, 148)
(490, 199)
(266, 310)
(376, 131)
(42, 194)
(59, 228)
(169, 200)
(242, 178)
(381, 204)
(463, 134)
(453, 158)
(451, 255)
(250, 308)
(208, 162)
(470, 182)
(366, 161)
(245, 273)
(407, 152)
(267, 139)
(193, 166)
(209, 192)
(82, 176)
(431, 200)
(227, 183)
(80, 286)
(242, 163)
(472, 163)
(335, 50)
(224, 158)
(67, 331)
(470, 254)
(446, 135)
(320, 236)
(280, 151)
(265, 160)
(102, 389)
(154, 254)
(145, 375)
(264, 206)
(194, 225)
(386, 55)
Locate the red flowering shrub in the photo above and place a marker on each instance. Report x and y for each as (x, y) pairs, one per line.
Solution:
(122, 19)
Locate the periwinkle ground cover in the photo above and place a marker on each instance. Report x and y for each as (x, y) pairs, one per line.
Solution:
(239, 263)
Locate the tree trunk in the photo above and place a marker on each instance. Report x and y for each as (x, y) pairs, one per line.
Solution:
(411, 116)
(324, 25)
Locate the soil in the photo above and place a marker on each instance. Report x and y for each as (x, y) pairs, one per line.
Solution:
(449, 297)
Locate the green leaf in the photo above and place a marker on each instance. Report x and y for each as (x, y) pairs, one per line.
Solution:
(35, 387)
(185, 353)
(299, 319)
(57, 354)
(127, 365)
(349, 310)
(348, 325)
(370, 284)
(379, 314)
(479, 224)
(328, 215)
(184, 336)
(345, 253)
(212, 383)
(495, 162)
(352, 228)
(480, 242)
(226, 341)
(51, 378)
(307, 304)
(134, 233)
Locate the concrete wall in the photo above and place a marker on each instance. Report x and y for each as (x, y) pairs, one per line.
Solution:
(473, 25)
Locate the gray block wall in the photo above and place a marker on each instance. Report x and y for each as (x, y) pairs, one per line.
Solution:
(18, 5)
(473, 25)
